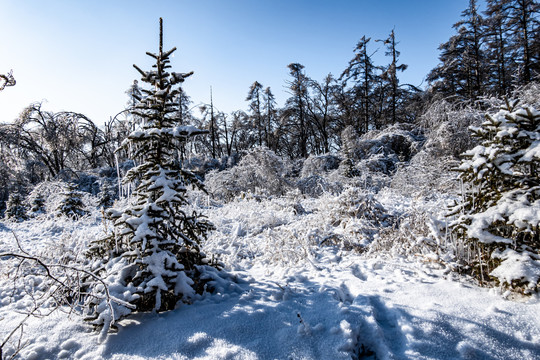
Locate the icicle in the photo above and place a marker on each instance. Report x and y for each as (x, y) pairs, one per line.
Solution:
(126, 189)
(481, 267)
(118, 175)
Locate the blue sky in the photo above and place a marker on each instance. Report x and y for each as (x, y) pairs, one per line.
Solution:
(78, 55)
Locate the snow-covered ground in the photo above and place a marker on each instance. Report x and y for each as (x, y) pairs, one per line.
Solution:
(293, 299)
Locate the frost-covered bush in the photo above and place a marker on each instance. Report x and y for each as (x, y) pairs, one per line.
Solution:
(372, 159)
(500, 210)
(348, 168)
(318, 176)
(203, 165)
(275, 230)
(419, 234)
(88, 183)
(359, 204)
(316, 165)
(529, 94)
(50, 191)
(46, 272)
(446, 128)
(425, 175)
(316, 185)
(383, 149)
(260, 172)
(48, 197)
(349, 142)
(356, 216)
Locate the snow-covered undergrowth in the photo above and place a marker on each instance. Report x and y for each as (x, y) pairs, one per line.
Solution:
(305, 289)
(289, 230)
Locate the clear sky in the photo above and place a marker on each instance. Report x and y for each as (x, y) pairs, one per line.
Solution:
(78, 55)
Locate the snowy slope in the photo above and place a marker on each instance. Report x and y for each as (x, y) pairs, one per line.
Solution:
(293, 299)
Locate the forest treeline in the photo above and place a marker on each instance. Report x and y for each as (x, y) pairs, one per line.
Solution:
(493, 52)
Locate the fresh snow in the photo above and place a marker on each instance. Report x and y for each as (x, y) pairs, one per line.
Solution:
(292, 298)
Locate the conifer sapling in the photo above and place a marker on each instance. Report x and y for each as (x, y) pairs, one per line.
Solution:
(156, 239)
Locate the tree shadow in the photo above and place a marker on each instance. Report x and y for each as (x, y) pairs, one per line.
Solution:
(447, 336)
(265, 321)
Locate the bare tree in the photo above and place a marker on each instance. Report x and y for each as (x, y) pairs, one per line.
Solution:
(322, 113)
(57, 140)
(7, 80)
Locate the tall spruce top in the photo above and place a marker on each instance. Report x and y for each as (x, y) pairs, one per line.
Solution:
(160, 36)
(158, 106)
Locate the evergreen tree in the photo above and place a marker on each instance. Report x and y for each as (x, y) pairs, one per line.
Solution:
(446, 78)
(238, 133)
(295, 112)
(270, 112)
(362, 70)
(71, 204)
(156, 240)
(461, 71)
(184, 102)
(524, 29)
(499, 212)
(390, 77)
(107, 195)
(210, 122)
(255, 106)
(38, 205)
(494, 54)
(15, 208)
(134, 94)
(497, 53)
(184, 117)
(471, 29)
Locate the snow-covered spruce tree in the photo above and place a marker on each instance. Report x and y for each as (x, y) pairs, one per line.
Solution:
(37, 206)
(153, 258)
(107, 195)
(499, 216)
(71, 204)
(15, 208)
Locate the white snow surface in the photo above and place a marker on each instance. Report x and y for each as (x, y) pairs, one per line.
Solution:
(293, 300)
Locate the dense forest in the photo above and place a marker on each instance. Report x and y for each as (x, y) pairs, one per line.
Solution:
(471, 137)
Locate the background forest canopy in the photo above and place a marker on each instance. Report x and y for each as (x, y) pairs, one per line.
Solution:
(492, 53)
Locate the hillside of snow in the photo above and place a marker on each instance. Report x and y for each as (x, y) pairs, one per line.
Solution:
(296, 294)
